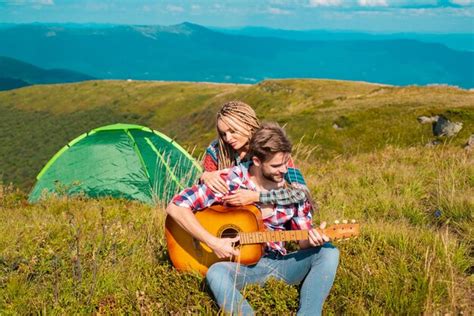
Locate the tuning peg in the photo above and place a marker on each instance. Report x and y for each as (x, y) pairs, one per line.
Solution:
(353, 221)
(336, 222)
(344, 221)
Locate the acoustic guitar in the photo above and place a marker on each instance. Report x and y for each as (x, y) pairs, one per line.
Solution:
(189, 254)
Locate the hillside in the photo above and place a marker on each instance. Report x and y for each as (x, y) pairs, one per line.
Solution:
(74, 256)
(15, 73)
(194, 53)
(39, 120)
(11, 83)
(79, 256)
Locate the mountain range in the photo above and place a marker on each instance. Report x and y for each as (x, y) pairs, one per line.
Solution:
(190, 52)
(16, 74)
(457, 41)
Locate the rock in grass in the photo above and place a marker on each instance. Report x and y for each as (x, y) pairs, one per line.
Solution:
(470, 143)
(341, 122)
(427, 119)
(441, 125)
(444, 127)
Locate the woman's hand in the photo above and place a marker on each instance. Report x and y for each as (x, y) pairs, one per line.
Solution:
(241, 197)
(214, 181)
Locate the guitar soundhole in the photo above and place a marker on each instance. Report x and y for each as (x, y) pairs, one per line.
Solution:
(230, 232)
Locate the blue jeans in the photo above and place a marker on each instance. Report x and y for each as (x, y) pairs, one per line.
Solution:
(316, 267)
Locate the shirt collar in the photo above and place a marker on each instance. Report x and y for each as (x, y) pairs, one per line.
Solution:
(245, 166)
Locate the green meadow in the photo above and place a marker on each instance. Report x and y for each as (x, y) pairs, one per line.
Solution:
(414, 203)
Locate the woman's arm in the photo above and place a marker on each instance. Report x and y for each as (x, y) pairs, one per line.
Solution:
(278, 197)
(209, 163)
(294, 175)
(211, 176)
(296, 193)
(283, 196)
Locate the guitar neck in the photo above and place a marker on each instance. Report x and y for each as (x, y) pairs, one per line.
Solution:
(266, 236)
(334, 232)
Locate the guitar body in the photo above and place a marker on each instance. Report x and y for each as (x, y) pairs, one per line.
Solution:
(189, 254)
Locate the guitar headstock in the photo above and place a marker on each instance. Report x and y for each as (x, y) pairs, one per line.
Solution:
(340, 231)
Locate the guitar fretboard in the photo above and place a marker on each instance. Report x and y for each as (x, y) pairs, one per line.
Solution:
(261, 237)
(333, 232)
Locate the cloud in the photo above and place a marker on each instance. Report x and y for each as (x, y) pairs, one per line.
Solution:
(174, 8)
(29, 2)
(325, 3)
(278, 11)
(462, 2)
(95, 7)
(373, 3)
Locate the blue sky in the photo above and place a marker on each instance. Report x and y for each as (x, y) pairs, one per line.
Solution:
(446, 16)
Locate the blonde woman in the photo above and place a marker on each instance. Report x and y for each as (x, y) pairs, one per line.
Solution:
(236, 123)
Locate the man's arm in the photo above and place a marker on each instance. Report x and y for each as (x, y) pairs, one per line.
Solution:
(197, 198)
(222, 247)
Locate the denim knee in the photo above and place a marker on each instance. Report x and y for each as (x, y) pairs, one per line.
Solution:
(332, 255)
(217, 272)
(327, 255)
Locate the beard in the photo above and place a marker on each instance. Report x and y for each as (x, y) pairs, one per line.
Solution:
(276, 178)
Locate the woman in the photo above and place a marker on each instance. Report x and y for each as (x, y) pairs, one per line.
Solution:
(236, 122)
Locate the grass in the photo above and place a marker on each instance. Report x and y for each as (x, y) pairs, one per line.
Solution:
(77, 256)
(414, 256)
(67, 256)
(39, 120)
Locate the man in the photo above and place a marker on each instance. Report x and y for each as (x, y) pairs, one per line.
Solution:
(315, 264)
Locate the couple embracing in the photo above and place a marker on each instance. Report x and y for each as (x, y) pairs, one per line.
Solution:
(250, 163)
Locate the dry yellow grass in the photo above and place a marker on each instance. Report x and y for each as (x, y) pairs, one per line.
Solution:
(71, 256)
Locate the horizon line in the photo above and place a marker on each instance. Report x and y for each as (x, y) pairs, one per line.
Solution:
(213, 27)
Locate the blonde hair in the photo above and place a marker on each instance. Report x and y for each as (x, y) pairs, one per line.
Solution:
(241, 118)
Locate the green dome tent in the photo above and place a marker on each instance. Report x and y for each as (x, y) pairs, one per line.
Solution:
(120, 160)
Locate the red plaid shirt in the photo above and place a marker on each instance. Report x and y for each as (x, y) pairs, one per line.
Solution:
(294, 216)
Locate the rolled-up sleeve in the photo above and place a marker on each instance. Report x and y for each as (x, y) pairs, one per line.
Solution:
(197, 197)
(200, 196)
